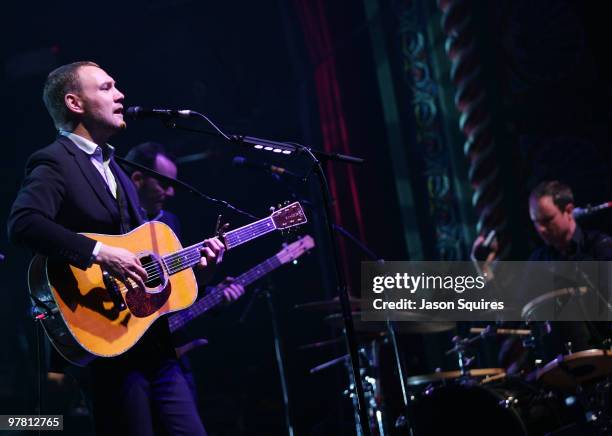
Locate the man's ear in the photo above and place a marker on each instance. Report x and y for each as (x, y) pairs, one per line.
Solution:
(137, 178)
(569, 208)
(74, 103)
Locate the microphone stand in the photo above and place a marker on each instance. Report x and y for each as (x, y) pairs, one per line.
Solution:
(180, 184)
(316, 156)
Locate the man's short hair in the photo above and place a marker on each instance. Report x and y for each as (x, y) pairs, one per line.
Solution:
(61, 81)
(560, 193)
(146, 153)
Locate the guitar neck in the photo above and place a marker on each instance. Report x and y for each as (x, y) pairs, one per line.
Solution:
(190, 256)
(216, 296)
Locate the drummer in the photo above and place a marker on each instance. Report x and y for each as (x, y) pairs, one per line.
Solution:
(551, 205)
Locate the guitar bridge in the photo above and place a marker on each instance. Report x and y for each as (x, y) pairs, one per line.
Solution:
(113, 291)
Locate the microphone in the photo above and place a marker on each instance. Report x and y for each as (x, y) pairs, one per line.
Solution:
(136, 112)
(580, 212)
(241, 161)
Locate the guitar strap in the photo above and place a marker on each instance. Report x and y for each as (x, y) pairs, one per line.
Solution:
(124, 214)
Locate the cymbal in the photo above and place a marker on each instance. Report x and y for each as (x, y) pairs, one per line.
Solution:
(572, 370)
(404, 322)
(328, 305)
(545, 304)
(487, 374)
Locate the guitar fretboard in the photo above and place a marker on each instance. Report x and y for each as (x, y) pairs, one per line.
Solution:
(216, 296)
(189, 256)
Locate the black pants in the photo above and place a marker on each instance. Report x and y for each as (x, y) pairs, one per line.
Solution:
(148, 399)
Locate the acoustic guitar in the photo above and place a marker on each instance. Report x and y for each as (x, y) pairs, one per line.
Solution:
(88, 313)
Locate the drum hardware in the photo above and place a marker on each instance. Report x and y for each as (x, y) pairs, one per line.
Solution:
(368, 357)
(331, 305)
(500, 331)
(320, 344)
(375, 331)
(373, 395)
(328, 364)
(405, 322)
(461, 346)
(584, 378)
(482, 400)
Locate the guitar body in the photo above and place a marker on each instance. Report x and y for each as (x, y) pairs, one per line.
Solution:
(86, 322)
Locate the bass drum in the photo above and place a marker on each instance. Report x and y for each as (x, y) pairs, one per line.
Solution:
(507, 408)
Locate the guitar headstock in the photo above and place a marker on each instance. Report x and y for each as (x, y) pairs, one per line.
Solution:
(289, 216)
(295, 249)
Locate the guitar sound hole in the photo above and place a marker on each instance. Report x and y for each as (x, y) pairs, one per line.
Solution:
(154, 270)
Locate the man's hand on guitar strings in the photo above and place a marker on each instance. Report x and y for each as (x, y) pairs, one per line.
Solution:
(122, 264)
(212, 253)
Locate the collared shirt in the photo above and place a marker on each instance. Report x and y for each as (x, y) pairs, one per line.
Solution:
(100, 159)
(584, 245)
(99, 156)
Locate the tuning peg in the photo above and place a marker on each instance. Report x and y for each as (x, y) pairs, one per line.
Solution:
(272, 209)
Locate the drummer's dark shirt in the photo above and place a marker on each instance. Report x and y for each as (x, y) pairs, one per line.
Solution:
(585, 245)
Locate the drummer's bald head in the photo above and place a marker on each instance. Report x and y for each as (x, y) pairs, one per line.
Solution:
(560, 193)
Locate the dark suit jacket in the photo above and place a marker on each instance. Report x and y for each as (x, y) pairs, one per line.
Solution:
(63, 194)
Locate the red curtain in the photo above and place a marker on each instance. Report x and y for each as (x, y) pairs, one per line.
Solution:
(347, 209)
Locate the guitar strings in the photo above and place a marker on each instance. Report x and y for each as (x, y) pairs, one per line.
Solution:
(243, 234)
(195, 255)
(187, 253)
(186, 256)
(171, 269)
(216, 295)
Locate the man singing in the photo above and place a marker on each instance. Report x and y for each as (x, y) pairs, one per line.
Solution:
(74, 185)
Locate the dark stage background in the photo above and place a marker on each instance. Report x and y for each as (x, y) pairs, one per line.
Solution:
(458, 107)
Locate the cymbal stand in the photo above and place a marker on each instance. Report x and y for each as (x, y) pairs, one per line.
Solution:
(461, 348)
(282, 373)
(404, 419)
(595, 406)
(371, 386)
(266, 292)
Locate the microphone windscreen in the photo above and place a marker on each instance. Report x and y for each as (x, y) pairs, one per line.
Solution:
(134, 111)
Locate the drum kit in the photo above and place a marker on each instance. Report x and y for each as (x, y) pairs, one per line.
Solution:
(567, 394)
